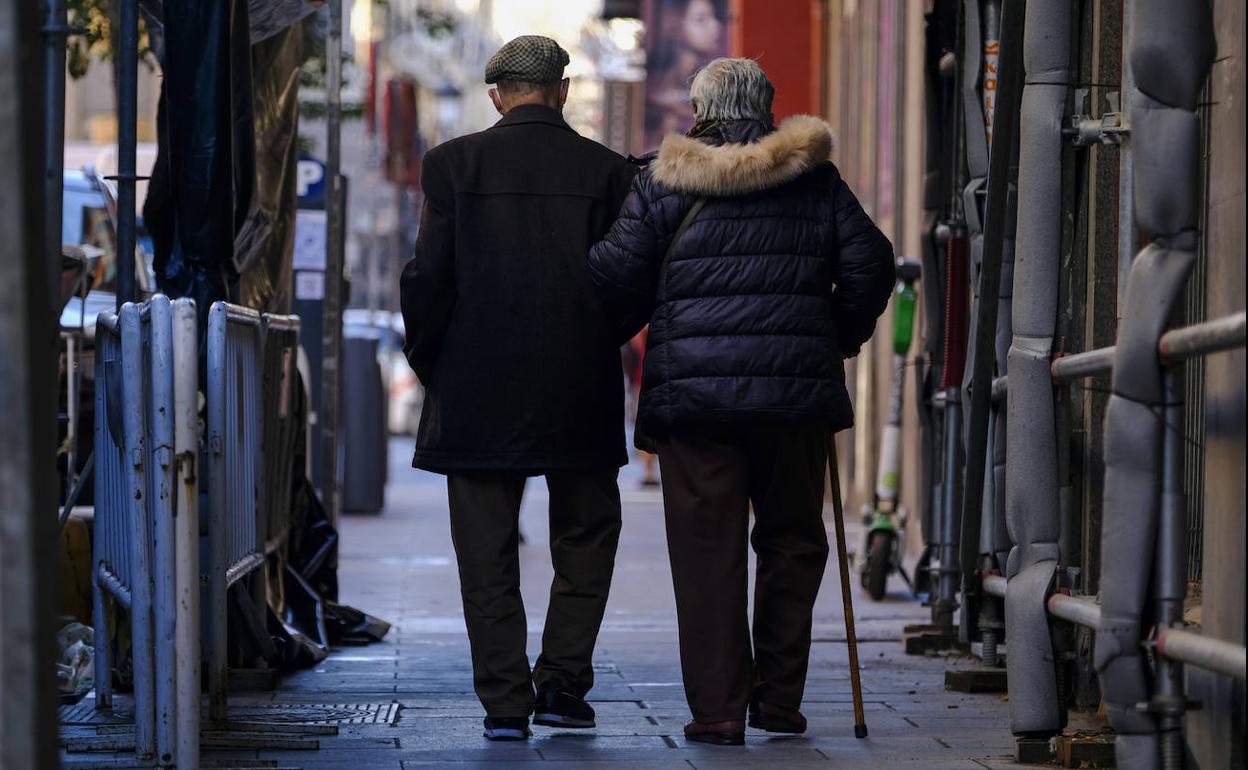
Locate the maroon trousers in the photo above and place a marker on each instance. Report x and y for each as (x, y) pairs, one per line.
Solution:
(711, 475)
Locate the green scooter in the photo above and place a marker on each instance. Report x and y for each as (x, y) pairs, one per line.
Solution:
(885, 520)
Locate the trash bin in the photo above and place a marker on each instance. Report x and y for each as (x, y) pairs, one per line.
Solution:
(364, 426)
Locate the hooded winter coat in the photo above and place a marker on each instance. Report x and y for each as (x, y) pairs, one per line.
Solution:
(778, 278)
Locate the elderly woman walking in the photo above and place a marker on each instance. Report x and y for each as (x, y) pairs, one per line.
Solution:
(759, 273)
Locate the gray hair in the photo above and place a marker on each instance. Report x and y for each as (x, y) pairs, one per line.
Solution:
(510, 87)
(732, 89)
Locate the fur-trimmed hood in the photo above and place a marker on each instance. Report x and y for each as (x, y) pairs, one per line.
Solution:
(689, 165)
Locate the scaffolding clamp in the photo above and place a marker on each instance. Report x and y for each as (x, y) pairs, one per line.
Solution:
(1085, 130)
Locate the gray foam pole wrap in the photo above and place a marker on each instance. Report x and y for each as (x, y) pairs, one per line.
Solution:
(974, 119)
(1005, 334)
(1001, 543)
(1133, 438)
(977, 173)
(972, 101)
(1171, 51)
(976, 137)
(987, 520)
(1031, 473)
(1166, 143)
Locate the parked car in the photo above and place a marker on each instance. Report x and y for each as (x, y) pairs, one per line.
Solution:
(89, 235)
(88, 263)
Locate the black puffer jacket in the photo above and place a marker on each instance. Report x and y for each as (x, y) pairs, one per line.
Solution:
(779, 277)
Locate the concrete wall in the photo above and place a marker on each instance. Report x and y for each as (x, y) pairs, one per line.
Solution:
(91, 104)
(784, 36)
(1216, 733)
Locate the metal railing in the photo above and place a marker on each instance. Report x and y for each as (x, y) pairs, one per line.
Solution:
(112, 549)
(234, 425)
(1175, 346)
(147, 524)
(280, 334)
(139, 491)
(185, 364)
(154, 392)
(1210, 654)
(1179, 644)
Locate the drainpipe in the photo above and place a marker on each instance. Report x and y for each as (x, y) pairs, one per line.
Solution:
(1032, 501)
(1169, 56)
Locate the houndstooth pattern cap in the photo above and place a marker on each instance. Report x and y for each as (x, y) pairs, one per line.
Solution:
(529, 59)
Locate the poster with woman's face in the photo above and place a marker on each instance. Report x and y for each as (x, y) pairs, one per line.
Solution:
(681, 37)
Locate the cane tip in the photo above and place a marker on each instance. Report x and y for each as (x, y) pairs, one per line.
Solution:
(860, 731)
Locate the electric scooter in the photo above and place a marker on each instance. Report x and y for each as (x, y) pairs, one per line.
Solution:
(885, 520)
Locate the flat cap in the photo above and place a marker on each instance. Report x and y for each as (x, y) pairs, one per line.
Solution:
(529, 59)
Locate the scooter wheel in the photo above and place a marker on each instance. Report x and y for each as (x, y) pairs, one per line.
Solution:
(879, 559)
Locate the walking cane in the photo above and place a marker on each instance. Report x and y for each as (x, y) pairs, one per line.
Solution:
(838, 509)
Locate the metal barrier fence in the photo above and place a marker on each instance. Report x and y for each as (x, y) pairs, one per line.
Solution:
(281, 426)
(137, 538)
(235, 425)
(147, 523)
(186, 536)
(151, 325)
(111, 561)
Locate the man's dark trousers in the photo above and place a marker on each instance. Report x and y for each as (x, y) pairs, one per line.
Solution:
(711, 476)
(584, 531)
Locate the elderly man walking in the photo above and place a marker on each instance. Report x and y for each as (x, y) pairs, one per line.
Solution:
(759, 274)
(523, 378)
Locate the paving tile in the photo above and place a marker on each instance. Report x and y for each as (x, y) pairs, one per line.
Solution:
(399, 566)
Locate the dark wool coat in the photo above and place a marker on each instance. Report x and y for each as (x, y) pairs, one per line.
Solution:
(504, 328)
(778, 279)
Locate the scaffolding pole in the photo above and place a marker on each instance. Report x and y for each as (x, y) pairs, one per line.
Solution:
(55, 30)
(127, 144)
(331, 372)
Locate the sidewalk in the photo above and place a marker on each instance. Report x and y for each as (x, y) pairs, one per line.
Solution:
(408, 702)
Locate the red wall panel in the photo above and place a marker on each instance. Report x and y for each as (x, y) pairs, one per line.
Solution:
(786, 37)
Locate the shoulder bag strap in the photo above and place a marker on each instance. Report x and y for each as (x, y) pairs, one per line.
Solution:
(680, 231)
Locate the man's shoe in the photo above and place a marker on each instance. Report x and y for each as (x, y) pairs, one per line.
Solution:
(716, 733)
(775, 719)
(556, 707)
(507, 728)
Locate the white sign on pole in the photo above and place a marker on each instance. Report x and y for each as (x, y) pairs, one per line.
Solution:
(310, 284)
(310, 240)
